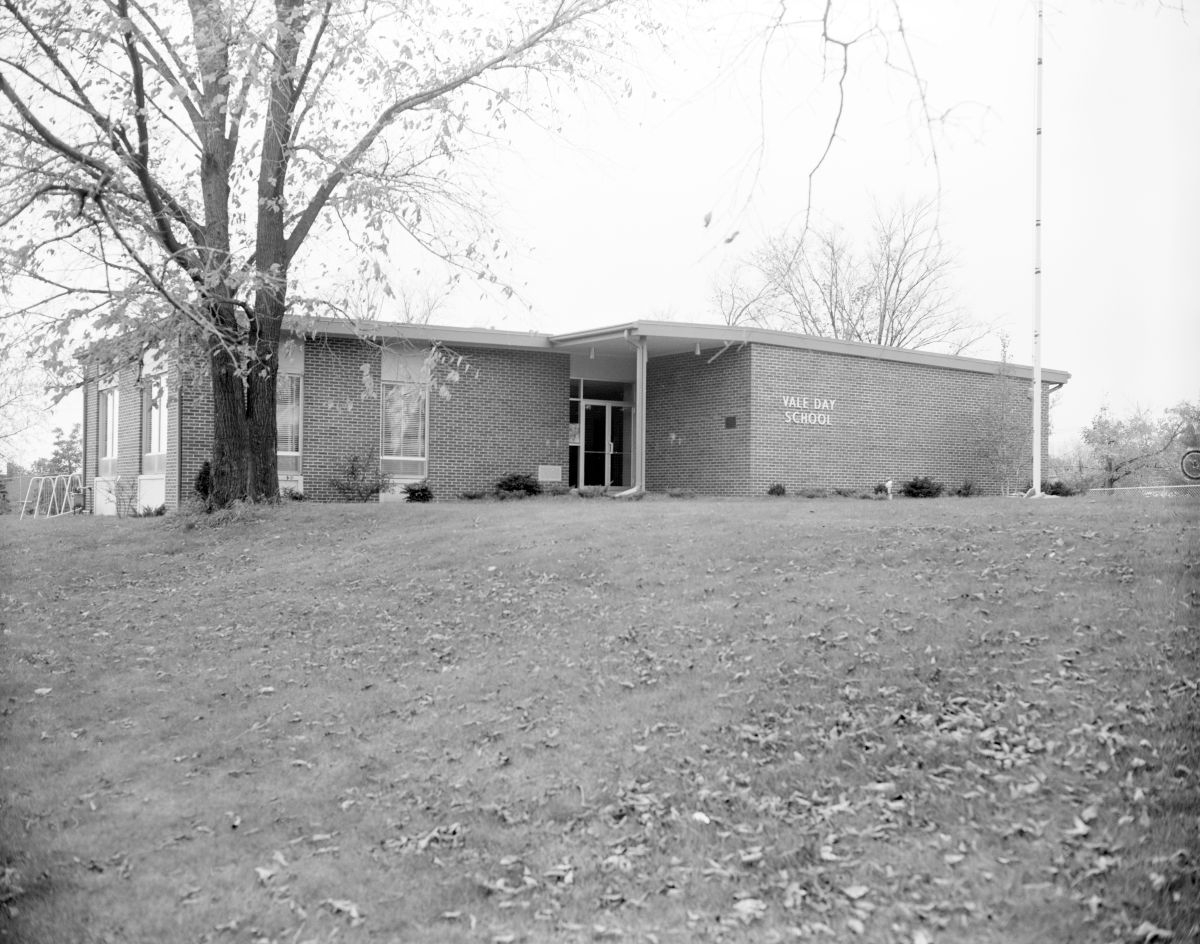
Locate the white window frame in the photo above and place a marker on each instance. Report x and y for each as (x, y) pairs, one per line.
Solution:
(404, 371)
(154, 425)
(291, 462)
(109, 413)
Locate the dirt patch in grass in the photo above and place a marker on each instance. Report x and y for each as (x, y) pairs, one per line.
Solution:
(560, 720)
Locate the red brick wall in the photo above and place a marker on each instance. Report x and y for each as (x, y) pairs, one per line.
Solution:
(189, 433)
(509, 413)
(129, 438)
(340, 413)
(889, 420)
(687, 442)
(181, 397)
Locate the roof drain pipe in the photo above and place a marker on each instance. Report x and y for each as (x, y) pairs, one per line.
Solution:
(639, 420)
(728, 345)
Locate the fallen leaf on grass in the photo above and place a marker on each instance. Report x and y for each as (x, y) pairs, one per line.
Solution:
(1148, 932)
(1079, 829)
(458, 916)
(855, 892)
(750, 909)
(340, 906)
(441, 835)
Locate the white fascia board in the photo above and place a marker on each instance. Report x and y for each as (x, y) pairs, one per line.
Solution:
(386, 331)
(593, 335)
(708, 334)
(903, 355)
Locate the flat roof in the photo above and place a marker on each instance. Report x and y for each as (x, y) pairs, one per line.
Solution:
(397, 330)
(661, 338)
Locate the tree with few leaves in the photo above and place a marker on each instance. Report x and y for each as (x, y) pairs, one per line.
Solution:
(894, 292)
(169, 166)
(1140, 448)
(1004, 426)
(67, 456)
(21, 385)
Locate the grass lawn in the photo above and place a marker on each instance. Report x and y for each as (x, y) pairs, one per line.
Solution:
(911, 722)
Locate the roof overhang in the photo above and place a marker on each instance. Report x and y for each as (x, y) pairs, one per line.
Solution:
(384, 331)
(661, 338)
(671, 337)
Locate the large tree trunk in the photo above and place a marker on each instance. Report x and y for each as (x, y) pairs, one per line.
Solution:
(271, 256)
(262, 455)
(229, 465)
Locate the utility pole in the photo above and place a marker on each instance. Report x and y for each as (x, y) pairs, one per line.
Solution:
(1037, 268)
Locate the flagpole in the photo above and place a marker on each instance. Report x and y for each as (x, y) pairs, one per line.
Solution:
(1037, 270)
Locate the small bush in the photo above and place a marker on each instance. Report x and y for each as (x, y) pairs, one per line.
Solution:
(518, 483)
(922, 487)
(778, 490)
(881, 488)
(418, 492)
(292, 494)
(1057, 488)
(846, 492)
(968, 489)
(361, 479)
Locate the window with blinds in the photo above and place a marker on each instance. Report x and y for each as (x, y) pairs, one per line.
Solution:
(403, 439)
(289, 415)
(404, 409)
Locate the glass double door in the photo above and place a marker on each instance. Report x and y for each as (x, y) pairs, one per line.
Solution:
(605, 457)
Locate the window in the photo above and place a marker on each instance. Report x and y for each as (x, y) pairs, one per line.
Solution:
(289, 414)
(154, 426)
(109, 408)
(404, 423)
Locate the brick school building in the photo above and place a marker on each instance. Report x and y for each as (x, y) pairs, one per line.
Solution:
(648, 405)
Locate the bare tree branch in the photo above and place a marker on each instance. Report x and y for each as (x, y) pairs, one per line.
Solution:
(558, 21)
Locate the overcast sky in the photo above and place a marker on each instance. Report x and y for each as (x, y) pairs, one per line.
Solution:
(614, 222)
(605, 220)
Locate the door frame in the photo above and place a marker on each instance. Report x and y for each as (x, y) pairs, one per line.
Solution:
(581, 465)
